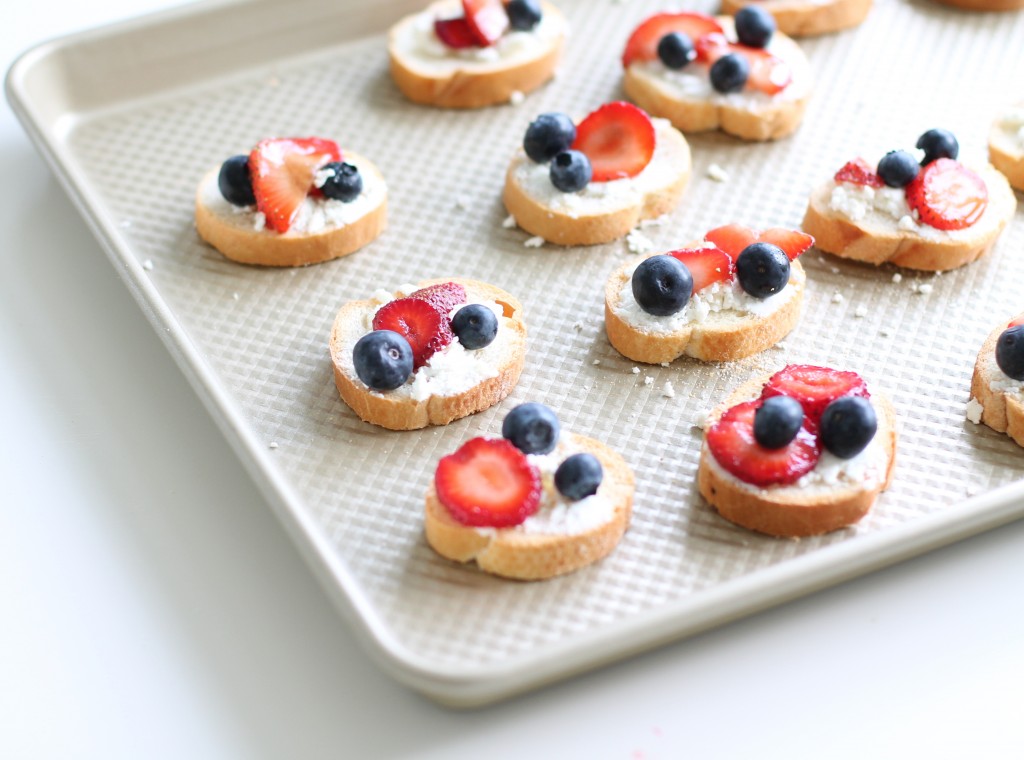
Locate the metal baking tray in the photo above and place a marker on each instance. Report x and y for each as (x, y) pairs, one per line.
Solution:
(130, 116)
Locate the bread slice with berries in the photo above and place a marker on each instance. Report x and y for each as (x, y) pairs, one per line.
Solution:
(273, 208)
(475, 54)
(516, 522)
(444, 376)
(799, 488)
(1006, 145)
(997, 393)
(808, 18)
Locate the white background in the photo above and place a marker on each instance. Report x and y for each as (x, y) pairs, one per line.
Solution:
(151, 606)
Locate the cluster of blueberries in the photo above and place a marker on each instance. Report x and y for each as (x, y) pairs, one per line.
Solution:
(342, 181)
(898, 168)
(549, 138)
(847, 425)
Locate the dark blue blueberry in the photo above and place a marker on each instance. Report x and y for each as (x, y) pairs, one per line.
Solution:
(532, 428)
(571, 171)
(343, 182)
(938, 143)
(383, 359)
(548, 135)
(762, 269)
(235, 182)
(1010, 352)
(777, 421)
(523, 15)
(754, 26)
(578, 476)
(676, 50)
(662, 285)
(897, 168)
(730, 72)
(847, 426)
(475, 326)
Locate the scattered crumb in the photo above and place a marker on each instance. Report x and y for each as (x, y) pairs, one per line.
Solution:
(860, 312)
(535, 242)
(657, 221)
(638, 242)
(636, 370)
(586, 387)
(234, 296)
(509, 223)
(700, 420)
(462, 203)
(781, 345)
(577, 325)
(665, 364)
(834, 270)
(717, 173)
(924, 288)
(596, 362)
(648, 379)
(837, 297)
(148, 265)
(516, 97)
(897, 278)
(273, 444)
(974, 410)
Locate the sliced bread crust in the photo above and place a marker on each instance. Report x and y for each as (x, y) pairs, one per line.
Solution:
(1006, 155)
(1002, 410)
(807, 18)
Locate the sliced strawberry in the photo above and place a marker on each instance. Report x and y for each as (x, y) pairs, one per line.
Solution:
(814, 387)
(793, 242)
(444, 296)
(488, 482)
(455, 33)
(421, 323)
(859, 172)
(487, 20)
(707, 265)
(282, 170)
(1017, 321)
(733, 445)
(711, 46)
(732, 238)
(768, 73)
(947, 195)
(643, 43)
(619, 140)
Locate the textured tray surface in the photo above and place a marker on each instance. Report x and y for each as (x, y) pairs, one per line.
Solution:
(264, 332)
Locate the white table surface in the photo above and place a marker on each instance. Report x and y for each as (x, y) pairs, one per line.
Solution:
(153, 607)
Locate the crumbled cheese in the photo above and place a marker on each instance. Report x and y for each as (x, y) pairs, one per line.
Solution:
(906, 222)
(717, 173)
(273, 444)
(657, 221)
(148, 265)
(516, 97)
(577, 325)
(667, 390)
(596, 362)
(648, 380)
(924, 288)
(235, 296)
(509, 223)
(834, 270)
(860, 312)
(781, 345)
(897, 278)
(837, 297)
(665, 364)
(636, 370)
(535, 242)
(638, 242)
(259, 221)
(974, 410)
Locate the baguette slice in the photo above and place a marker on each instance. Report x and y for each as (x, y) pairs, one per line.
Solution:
(878, 238)
(807, 18)
(515, 553)
(464, 82)
(1002, 409)
(748, 114)
(722, 337)
(231, 229)
(1007, 153)
(792, 511)
(400, 409)
(602, 211)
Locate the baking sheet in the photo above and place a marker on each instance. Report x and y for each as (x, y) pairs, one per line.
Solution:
(132, 116)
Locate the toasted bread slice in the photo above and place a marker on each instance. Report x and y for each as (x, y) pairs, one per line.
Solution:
(234, 230)
(1001, 399)
(435, 401)
(429, 73)
(602, 211)
(796, 510)
(722, 336)
(1006, 151)
(536, 550)
(687, 99)
(808, 18)
(879, 238)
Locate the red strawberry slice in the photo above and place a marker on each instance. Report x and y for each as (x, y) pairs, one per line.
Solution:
(619, 140)
(488, 482)
(947, 195)
(793, 242)
(768, 73)
(643, 43)
(455, 33)
(1014, 323)
(859, 172)
(487, 20)
(707, 265)
(282, 170)
(732, 238)
(427, 329)
(814, 387)
(444, 296)
(733, 446)
(711, 46)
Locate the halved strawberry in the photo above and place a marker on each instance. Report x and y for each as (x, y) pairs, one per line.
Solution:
(732, 443)
(619, 140)
(488, 482)
(947, 195)
(732, 238)
(768, 73)
(421, 323)
(814, 387)
(487, 20)
(706, 265)
(643, 42)
(859, 172)
(444, 296)
(793, 242)
(282, 170)
(455, 33)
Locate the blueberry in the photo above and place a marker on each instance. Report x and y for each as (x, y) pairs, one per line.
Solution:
(383, 359)
(532, 428)
(571, 171)
(1010, 352)
(762, 269)
(548, 135)
(475, 326)
(235, 182)
(579, 476)
(777, 421)
(730, 72)
(343, 182)
(676, 50)
(662, 285)
(897, 168)
(754, 26)
(938, 143)
(847, 426)
(523, 15)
